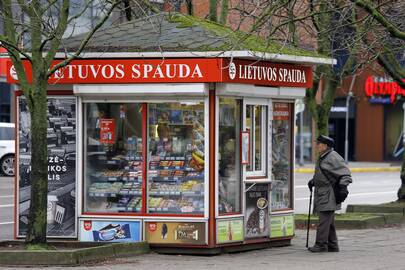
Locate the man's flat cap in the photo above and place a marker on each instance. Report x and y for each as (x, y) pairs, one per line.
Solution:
(325, 140)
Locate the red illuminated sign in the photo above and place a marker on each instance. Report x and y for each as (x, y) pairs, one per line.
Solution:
(176, 71)
(376, 86)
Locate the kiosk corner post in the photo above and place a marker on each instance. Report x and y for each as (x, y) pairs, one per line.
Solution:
(211, 220)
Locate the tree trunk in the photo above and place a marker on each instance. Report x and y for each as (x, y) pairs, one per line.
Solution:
(401, 190)
(37, 225)
(320, 112)
(322, 123)
(213, 11)
(224, 12)
(189, 5)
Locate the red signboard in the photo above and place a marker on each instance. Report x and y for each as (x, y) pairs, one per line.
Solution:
(103, 71)
(131, 71)
(267, 73)
(376, 86)
(107, 131)
(281, 111)
(3, 63)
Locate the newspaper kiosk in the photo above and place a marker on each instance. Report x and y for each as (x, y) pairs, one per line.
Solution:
(191, 150)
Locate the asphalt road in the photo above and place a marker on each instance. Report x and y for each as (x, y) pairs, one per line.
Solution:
(367, 188)
(371, 188)
(6, 207)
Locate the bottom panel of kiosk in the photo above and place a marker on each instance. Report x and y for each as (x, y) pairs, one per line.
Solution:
(110, 231)
(176, 233)
(187, 236)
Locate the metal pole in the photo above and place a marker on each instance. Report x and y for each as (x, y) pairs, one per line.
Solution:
(301, 138)
(309, 217)
(349, 95)
(403, 128)
(347, 128)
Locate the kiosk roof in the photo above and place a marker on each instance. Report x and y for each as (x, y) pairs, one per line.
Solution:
(175, 32)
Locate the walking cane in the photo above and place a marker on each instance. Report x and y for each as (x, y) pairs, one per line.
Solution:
(309, 217)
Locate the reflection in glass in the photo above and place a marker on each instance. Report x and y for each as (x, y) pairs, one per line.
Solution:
(255, 124)
(113, 157)
(249, 124)
(229, 156)
(176, 157)
(281, 156)
(258, 137)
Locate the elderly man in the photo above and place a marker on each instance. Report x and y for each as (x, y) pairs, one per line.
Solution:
(330, 170)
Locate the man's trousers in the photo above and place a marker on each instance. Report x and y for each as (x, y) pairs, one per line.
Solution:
(326, 231)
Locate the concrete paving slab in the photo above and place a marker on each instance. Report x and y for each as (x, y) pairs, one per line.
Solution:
(360, 249)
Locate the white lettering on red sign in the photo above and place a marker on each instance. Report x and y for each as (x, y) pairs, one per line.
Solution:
(266, 73)
(13, 73)
(105, 71)
(145, 71)
(166, 71)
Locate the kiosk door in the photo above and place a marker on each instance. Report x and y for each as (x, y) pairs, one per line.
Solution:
(255, 145)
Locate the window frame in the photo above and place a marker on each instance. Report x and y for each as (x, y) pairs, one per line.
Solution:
(263, 172)
(240, 213)
(82, 101)
(291, 156)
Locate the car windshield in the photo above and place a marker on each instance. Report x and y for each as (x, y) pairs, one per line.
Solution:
(6, 133)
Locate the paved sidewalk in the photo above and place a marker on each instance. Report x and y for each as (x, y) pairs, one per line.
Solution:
(356, 167)
(361, 249)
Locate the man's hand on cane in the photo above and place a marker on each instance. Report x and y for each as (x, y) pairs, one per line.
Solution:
(311, 184)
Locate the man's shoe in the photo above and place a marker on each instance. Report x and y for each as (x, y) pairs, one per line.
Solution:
(333, 249)
(318, 249)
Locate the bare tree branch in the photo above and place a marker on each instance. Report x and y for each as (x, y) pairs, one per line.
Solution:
(367, 6)
(85, 40)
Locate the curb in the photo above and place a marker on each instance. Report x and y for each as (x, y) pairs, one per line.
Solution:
(363, 221)
(370, 169)
(70, 257)
(365, 208)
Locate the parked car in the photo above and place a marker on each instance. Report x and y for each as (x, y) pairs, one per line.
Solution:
(7, 149)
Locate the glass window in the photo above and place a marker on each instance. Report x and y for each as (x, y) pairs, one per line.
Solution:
(258, 138)
(6, 133)
(249, 124)
(281, 156)
(176, 157)
(229, 156)
(113, 157)
(256, 116)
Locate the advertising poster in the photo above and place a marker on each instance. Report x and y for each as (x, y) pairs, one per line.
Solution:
(61, 142)
(257, 210)
(281, 111)
(109, 231)
(189, 233)
(229, 231)
(107, 131)
(281, 226)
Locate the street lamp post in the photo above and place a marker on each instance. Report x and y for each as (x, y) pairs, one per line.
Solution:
(349, 95)
(347, 126)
